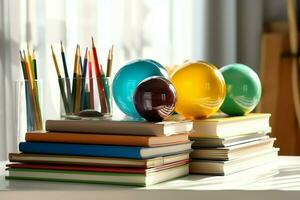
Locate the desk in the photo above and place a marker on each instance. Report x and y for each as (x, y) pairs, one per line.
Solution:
(280, 180)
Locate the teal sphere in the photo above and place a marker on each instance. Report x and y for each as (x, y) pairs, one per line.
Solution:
(128, 78)
(243, 89)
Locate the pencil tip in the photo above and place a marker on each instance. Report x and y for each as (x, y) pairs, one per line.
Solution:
(93, 41)
(52, 48)
(61, 46)
(21, 55)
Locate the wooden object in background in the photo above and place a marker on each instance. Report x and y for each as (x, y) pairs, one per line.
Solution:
(277, 98)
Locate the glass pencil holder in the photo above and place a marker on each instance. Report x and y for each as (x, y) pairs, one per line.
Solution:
(85, 97)
(28, 107)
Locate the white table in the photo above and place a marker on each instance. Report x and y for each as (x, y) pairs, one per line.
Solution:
(280, 180)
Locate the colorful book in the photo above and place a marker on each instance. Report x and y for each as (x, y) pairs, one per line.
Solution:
(100, 169)
(102, 150)
(96, 161)
(126, 140)
(120, 127)
(217, 167)
(98, 177)
(223, 126)
(233, 152)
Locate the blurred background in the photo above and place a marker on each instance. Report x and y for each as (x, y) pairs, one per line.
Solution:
(168, 31)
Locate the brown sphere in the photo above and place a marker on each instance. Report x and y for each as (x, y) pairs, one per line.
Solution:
(155, 98)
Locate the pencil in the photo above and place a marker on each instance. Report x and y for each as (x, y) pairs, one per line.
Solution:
(61, 83)
(34, 64)
(106, 91)
(77, 81)
(109, 61)
(27, 99)
(84, 79)
(30, 63)
(106, 80)
(74, 79)
(36, 89)
(91, 82)
(98, 71)
(37, 123)
(66, 71)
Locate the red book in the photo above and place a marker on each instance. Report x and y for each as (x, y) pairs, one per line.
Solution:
(99, 169)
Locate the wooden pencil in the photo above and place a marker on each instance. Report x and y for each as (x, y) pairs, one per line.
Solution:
(37, 123)
(109, 61)
(34, 64)
(99, 72)
(60, 83)
(67, 78)
(30, 63)
(29, 117)
(36, 89)
(91, 82)
(78, 82)
(74, 84)
(84, 79)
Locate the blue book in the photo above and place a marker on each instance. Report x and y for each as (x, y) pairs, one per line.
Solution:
(102, 150)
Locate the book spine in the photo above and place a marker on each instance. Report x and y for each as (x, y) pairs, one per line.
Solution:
(80, 150)
(115, 128)
(86, 139)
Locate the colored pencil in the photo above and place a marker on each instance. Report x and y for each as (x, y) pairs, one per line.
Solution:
(99, 72)
(61, 83)
(34, 64)
(36, 88)
(84, 79)
(68, 85)
(106, 80)
(74, 84)
(78, 82)
(109, 61)
(91, 82)
(30, 63)
(29, 117)
(35, 107)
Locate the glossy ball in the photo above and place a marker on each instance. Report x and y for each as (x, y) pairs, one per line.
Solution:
(200, 89)
(155, 98)
(243, 89)
(127, 79)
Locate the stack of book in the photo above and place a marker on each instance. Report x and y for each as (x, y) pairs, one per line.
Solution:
(225, 145)
(103, 151)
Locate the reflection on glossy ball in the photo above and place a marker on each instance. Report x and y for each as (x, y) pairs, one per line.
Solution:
(243, 89)
(155, 98)
(127, 79)
(200, 89)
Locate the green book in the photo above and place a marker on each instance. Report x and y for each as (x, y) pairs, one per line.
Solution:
(98, 177)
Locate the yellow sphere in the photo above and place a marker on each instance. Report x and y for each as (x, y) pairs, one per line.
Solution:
(200, 89)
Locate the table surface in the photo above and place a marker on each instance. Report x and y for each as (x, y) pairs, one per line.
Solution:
(273, 181)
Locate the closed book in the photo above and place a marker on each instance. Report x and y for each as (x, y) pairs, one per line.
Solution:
(223, 126)
(52, 159)
(98, 177)
(120, 127)
(126, 140)
(229, 141)
(99, 169)
(102, 150)
(216, 167)
(233, 152)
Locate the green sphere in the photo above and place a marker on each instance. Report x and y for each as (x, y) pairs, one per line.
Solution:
(243, 89)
